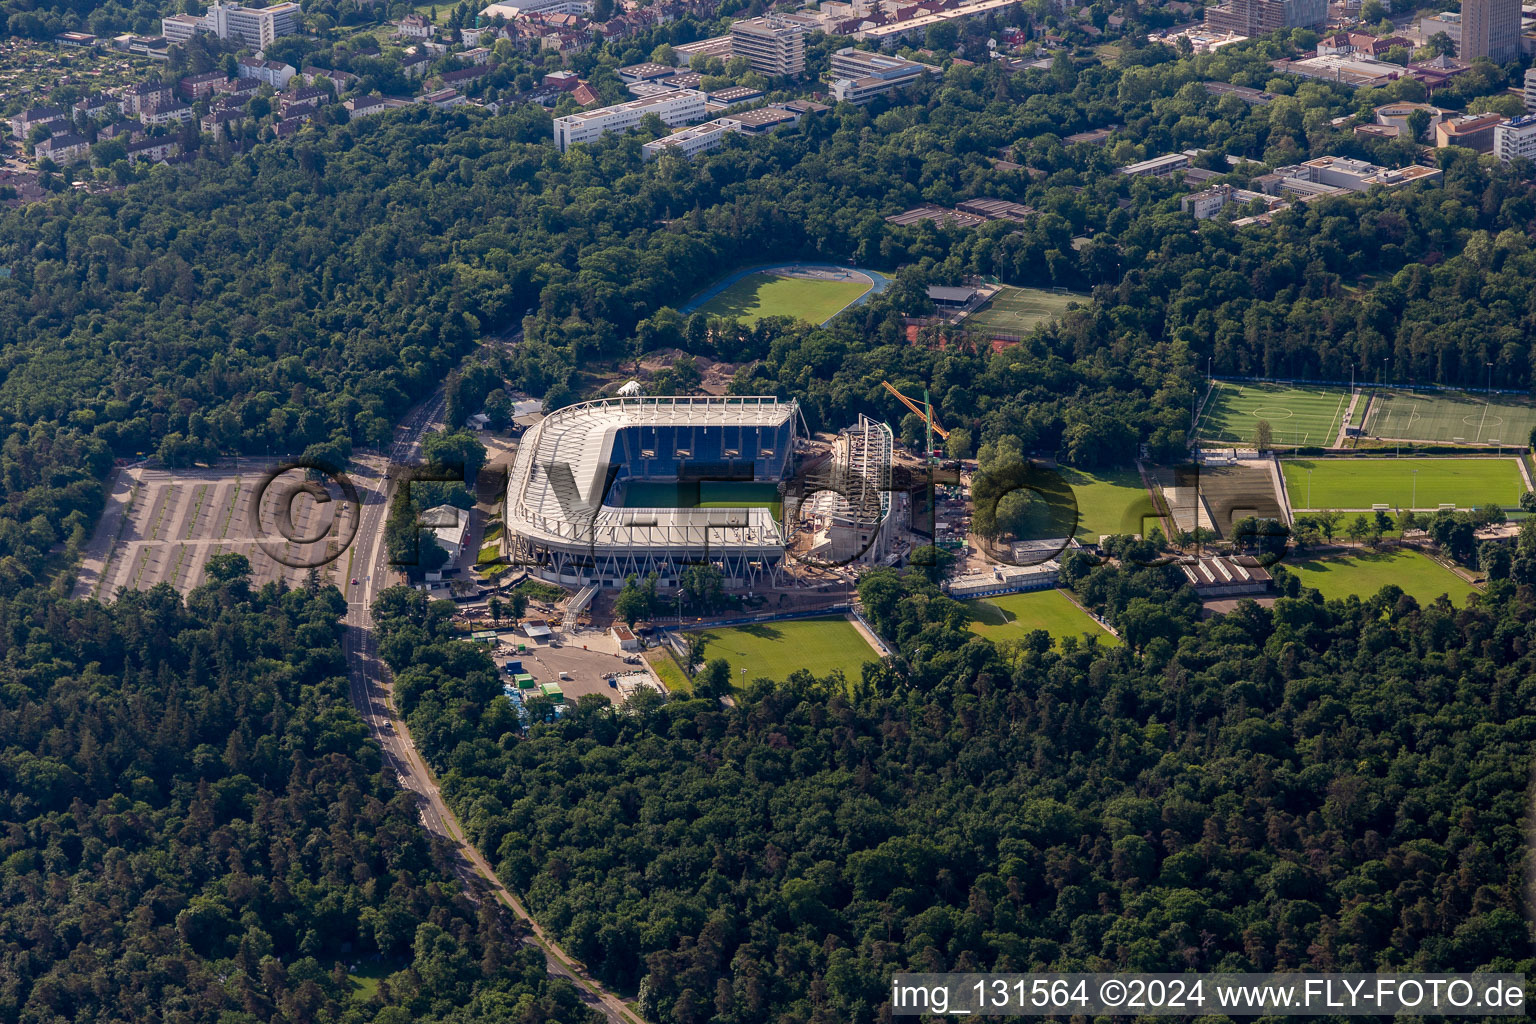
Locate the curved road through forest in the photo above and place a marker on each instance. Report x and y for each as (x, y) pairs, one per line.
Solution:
(369, 680)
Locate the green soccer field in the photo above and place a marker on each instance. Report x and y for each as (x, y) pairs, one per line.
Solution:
(773, 650)
(764, 294)
(1450, 417)
(1296, 416)
(1013, 616)
(1018, 310)
(1420, 483)
(1365, 573)
(1108, 501)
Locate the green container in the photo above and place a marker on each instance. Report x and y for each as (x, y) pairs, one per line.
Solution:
(553, 692)
(524, 681)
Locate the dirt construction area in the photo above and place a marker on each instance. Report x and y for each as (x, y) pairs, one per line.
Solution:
(162, 526)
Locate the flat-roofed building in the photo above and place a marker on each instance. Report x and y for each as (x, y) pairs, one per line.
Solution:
(1471, 131)
(1516, 139)
(714, 46)
(997, 209)
(773, 45)
(1490, 28)
(1157, 167)
(647, 72)
(761, 120)
(1530, 90)
(858, 76)
(1261, 17)
(733, 94)
(253, 26)
(689, 142)
(675, 108)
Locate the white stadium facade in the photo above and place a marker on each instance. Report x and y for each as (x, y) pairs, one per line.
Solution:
(618, 486)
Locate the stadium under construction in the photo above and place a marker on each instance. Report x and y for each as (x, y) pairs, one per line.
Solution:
(604, 489)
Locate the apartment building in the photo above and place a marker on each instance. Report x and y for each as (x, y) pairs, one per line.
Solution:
(858, 76)
(1530, 90)
(677, 107)
(165, 113)
(1516, 138)
(773, 45)
(274, 73)
(255, 27)
(62, 149)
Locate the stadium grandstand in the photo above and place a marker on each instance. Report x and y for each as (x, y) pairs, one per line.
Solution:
(607, 488)
(847, 501)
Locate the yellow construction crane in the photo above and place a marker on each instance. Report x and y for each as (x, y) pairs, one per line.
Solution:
(924, 412)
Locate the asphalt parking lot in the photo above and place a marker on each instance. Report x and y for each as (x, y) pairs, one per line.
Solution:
(589, 656)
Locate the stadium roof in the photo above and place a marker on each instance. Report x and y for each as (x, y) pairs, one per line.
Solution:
(561, 471)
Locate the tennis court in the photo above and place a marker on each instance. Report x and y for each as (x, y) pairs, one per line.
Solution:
(1019, 310)
(1419, 483)
(1450, 416)
(1296, 415)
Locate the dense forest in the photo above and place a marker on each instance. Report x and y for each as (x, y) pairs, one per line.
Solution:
(1317, 786)
(196, 827)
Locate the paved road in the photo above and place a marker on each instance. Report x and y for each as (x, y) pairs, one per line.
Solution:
(370, 690)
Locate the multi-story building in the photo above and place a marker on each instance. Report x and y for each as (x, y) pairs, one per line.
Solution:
(165, 113)
(772, 45)
(1448, 22)
(23, 123)
(1471, 131)
(157, 150)
(301, 101)
(62, 149)
(1157, 167)
(677, 107)
(688, 142)
(415, 63)
(1516, 138)
(1357, 175)
(1530, 90)
(415, 26)
(214, 120)
(361, 106)
(1261, 17)
(858, 76)
(255, 27)
(1490, 28)
(97, 104)
(145, 94)
(195, 87)
(274, 73)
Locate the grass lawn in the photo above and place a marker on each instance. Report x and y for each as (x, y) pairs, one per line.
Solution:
(1012, 616)
(1365, 573)
(1019, 310)
(1309, 416)
(805, 298)
(538, 590)
(667, 670)
(1108, 501)
(1361, 483)
(773, 650)
(365, 980)
(1450, 416)
(702, 494)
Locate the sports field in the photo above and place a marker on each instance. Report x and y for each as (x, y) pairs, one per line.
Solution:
(1450, 416)
(1013, 616)
(1018, 310)
(773, 650)
(1108, 501)
(702, 494)
(1420, 483)
(812, 299)
(1365, 573)
(1296, 415)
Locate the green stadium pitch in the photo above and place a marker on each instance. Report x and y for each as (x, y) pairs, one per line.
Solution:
(773, 650)
(1296, 415)
(1420, 483)
(1450, 417)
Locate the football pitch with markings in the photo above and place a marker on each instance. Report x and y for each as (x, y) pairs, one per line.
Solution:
(1421, 483)
(1454, 416)
(1296, 415)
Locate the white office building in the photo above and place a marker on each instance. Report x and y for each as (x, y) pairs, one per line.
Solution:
(1515, 138)
(688, 142)
(1530, 90)
(773, 45)
(858, 76)
(255, 27)
(678, 107)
